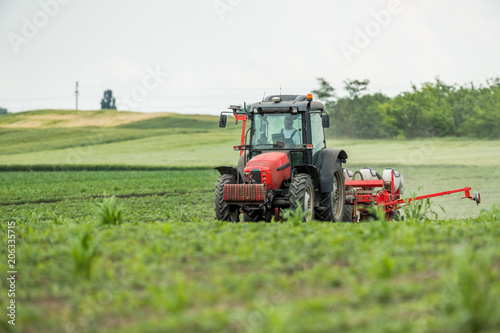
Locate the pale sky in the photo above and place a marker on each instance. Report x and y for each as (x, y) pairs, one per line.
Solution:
(200, 56)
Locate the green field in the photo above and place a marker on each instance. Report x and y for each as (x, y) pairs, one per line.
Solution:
(171, 267)
(176, 141)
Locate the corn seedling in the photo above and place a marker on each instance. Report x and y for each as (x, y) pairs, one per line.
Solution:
(475, 303)
(491, 215)
(420, 210)
(296, 216)
(109, 212)
(84, 250)
(58, 219)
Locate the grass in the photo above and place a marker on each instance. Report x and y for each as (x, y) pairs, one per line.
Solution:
(169, 266)
(421, 152)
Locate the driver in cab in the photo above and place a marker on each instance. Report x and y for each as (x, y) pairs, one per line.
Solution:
(292, 135)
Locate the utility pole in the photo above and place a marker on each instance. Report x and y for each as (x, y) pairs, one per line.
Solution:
(76, 95)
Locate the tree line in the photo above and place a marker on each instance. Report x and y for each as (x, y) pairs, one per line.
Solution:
(433, 110)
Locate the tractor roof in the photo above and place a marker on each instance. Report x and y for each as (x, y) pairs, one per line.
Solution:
(285, 103)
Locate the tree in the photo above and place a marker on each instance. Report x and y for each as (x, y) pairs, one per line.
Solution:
(355, 87)
(325, 92)
(433, 109)
(108, 101)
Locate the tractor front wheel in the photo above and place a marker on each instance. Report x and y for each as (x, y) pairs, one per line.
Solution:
(395, 215)
(348, 213)
(252, 216)
(302, 193)
(257, 216)
(224, 211)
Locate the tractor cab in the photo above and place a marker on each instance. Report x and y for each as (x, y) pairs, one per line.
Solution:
(292, 123)
(299, 132)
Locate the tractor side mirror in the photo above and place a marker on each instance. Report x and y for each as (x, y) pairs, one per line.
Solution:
(326, 120)
(222, 120)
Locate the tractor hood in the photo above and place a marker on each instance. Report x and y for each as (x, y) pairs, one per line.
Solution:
(268, 168)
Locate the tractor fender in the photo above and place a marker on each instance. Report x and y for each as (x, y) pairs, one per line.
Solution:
(326, 164)
(311, 171)
(227, 170)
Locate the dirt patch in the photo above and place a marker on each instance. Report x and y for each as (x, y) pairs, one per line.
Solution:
(120, 196)
(124, 196)
(81, 119)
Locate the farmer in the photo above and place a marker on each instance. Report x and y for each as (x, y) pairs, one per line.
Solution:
(292, 135)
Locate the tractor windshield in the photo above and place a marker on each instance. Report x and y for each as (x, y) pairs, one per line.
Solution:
(282, 129)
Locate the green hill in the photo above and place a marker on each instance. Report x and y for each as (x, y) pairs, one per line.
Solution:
(55, 137)
(61, 137)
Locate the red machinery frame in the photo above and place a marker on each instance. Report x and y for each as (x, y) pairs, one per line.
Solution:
(363, 192)
(244, 118)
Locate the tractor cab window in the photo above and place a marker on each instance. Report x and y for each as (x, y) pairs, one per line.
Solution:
(318, 137)
(277, 128)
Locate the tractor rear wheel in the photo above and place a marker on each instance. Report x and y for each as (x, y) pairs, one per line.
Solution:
(224, 211)
(302, 193)
(332, 205)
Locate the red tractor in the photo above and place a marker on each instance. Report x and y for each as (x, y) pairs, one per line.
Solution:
(284, 163)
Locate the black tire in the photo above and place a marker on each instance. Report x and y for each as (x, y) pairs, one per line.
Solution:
(367, 217)
(223, 211)
(332, 205)
(302, 191)
(348, 213)
(268, 216)
(395, 215)
(257, 216)
(324, 212)
(252, 216)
